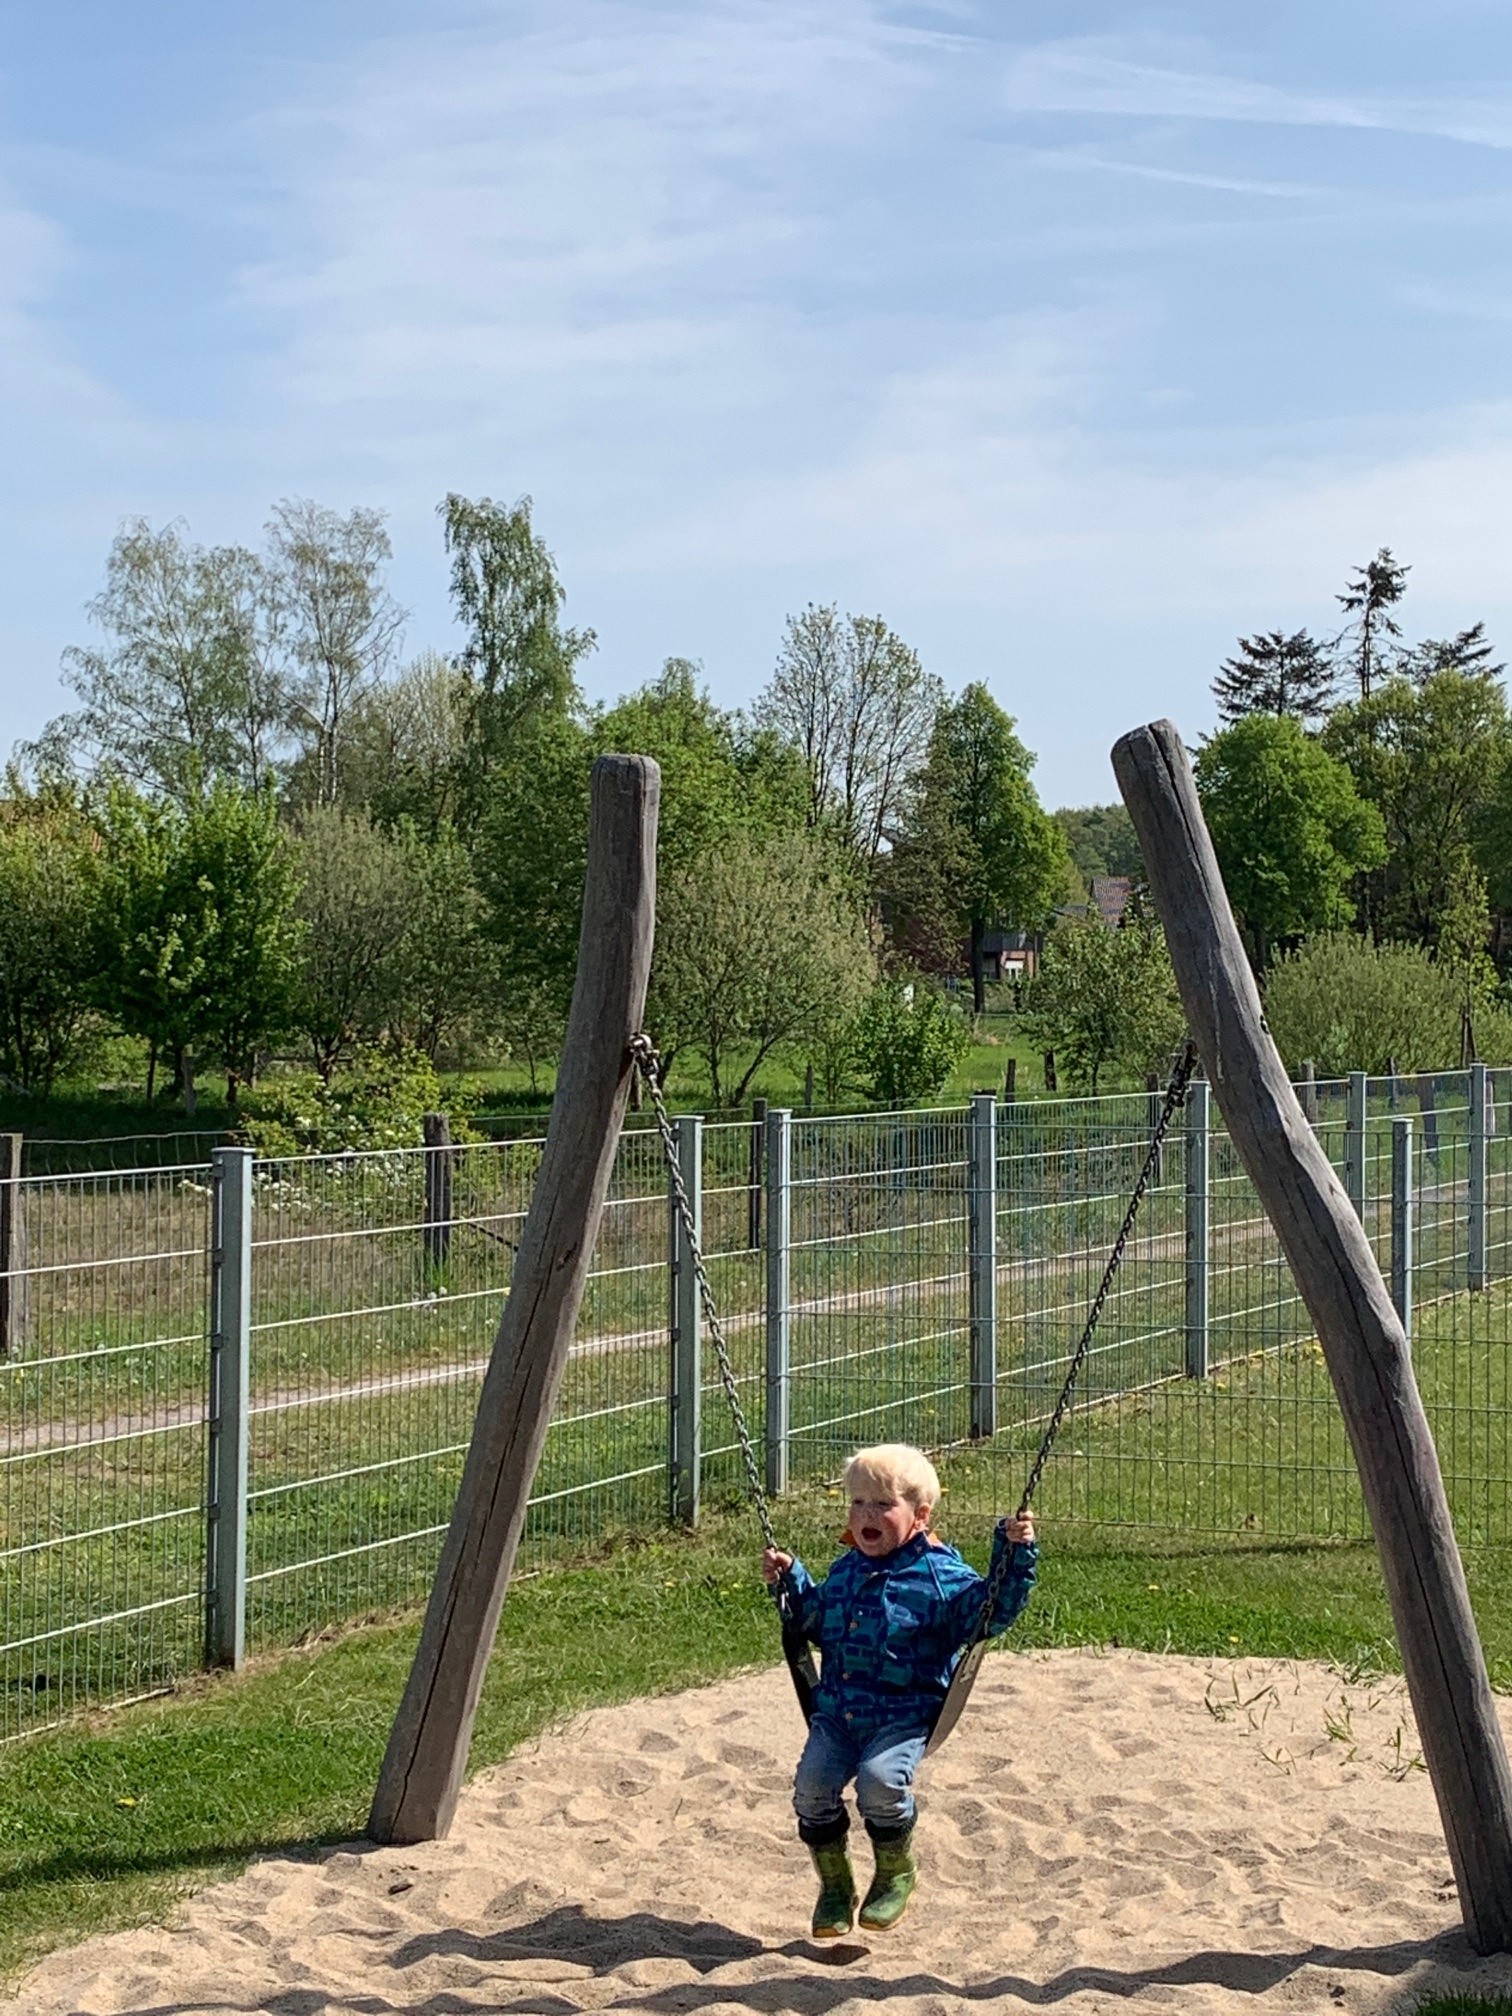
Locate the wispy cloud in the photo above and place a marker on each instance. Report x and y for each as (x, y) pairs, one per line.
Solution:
(1090, 77)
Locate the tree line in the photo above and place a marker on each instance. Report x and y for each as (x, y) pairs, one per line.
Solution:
(261, 830)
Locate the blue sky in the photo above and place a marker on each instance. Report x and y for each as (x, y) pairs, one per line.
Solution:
(1075, 340)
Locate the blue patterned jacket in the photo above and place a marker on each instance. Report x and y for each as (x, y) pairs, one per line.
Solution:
(890, 1631)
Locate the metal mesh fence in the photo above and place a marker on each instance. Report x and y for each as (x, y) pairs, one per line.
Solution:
(378, 1280)
(102, 1440)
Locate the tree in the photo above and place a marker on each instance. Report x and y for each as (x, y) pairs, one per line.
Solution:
(1469, 651)
(530, 857)
(519, 660)
(1365, 643)
(447, 979)
(907, 1040)
(49, 901)
(1272, 673)
(757, 945)
(355, 903)
(1351, 1005)
(1289, 829)
(977, 850)
(1432, 758)
(404, 747)
(339, 624)
(1106, 997)
(718, 777)
(235, 851)
(1102, 841)
(856, 703)
(188, 686)
(195, 934)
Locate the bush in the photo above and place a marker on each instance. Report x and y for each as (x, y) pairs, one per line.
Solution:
(1350, 1005)
(379, 1100)
(1106, 998)
(907, 1041)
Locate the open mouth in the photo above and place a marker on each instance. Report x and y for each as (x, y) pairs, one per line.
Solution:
(871, 1532)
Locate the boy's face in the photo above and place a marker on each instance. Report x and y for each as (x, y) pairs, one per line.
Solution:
(879, 1526)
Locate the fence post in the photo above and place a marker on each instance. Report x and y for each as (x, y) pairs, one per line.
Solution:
(13, 1280)
(687, 1354)
(1310, 1091)
(1401, 1220)
(758, 1149)
(1480, 1093)
(981, 1248)
(437, 1228)
(779, 1321)
(230, 1352)
(1198, 1225)
(1354, 1141)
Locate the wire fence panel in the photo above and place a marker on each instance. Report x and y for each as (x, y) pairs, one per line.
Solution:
(880, 1321)
(371, 1330)
(1204, 1405)
(102, 1441)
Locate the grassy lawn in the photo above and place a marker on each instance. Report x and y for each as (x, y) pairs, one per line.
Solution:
(104, 1822)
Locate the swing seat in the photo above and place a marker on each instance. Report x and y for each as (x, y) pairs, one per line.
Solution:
(957, 1694)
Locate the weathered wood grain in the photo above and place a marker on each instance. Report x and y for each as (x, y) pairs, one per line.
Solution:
(427, 1749)
(1359, 1330)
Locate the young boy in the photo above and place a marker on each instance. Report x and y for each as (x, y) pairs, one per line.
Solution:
(889, 1619)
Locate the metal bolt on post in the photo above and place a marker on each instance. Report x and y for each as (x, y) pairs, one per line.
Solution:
(779, 1321)
(687, 1354)
(981, 1237)
(230, 1351)
(1198, 1225)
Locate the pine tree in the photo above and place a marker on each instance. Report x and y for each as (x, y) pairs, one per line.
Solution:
(1272, 673)
(1468, 651)
(1365, 641)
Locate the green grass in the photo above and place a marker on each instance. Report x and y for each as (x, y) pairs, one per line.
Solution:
(1464, 2005)
(103, 1823)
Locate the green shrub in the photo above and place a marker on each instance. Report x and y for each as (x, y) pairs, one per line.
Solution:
(1106, 998)
(1354, 1006)
(377, 1101)
(907, 1041)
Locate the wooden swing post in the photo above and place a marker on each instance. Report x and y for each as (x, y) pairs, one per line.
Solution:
(427, 1749)
(1361, 1334)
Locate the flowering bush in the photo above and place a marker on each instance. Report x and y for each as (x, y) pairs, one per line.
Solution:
(377, 1101)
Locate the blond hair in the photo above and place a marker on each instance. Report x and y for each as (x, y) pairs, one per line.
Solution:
(896, 1468)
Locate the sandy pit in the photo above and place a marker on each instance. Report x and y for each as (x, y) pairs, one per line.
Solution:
(1103, 1829)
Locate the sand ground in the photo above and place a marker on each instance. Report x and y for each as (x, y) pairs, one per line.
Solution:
(1104, 1829)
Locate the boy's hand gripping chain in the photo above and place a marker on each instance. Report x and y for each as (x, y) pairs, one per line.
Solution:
(795, 1646)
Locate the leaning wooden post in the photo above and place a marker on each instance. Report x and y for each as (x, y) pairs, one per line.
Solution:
(1359, 1330)
(427, 1749)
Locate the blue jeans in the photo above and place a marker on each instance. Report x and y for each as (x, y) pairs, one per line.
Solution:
(883, 1766)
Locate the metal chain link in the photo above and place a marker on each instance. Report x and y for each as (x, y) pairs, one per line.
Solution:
(643, 1051)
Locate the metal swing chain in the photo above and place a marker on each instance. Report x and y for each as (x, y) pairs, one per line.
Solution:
(643, 1053)
(1175, 1096)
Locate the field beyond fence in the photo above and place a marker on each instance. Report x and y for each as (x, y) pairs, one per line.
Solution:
(235, 1395)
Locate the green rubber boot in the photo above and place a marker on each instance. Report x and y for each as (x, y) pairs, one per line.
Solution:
(837, 1892)
(893, 1884)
